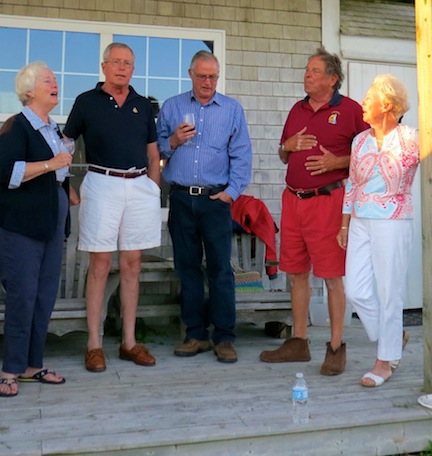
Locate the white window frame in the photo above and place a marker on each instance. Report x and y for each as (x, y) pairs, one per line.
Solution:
(106, 30)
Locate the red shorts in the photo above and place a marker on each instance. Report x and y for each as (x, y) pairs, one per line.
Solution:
(308, 234)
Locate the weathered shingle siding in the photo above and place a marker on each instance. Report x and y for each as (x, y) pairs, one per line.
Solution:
(378, 19)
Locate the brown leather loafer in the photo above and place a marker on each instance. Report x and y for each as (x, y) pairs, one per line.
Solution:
(138, 354)
(225, 352)
(191, 347)
(95, 360)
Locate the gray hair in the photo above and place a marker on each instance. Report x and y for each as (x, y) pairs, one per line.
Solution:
(110, 47)
(391, 90)
(333, 65)
(206, 55)
(25, 80)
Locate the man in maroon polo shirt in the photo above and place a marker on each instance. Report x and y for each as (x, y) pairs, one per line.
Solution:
(315, 144)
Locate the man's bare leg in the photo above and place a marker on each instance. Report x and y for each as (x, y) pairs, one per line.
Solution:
(99, 267)
(336, 307)
(130, 267)
(335, 358)
(300, 298)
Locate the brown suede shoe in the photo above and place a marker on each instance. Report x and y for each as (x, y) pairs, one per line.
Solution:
(225, 352)
(292, 350)
(191, 347)
(138, 354)
(95, 360)
(334, 363)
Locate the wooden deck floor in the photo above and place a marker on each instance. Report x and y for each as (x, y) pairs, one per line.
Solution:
(198, 406)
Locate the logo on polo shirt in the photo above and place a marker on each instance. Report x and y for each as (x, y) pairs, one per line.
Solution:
(333, 117)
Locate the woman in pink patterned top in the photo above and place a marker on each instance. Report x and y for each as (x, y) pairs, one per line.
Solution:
(377, 226)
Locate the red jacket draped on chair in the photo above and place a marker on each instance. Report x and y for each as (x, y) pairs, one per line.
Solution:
(254, 217)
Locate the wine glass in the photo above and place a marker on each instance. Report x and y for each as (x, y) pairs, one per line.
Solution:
(67, 145)
(190, 119)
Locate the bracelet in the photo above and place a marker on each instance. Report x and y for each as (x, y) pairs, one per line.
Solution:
(46, 167)
(344, 227)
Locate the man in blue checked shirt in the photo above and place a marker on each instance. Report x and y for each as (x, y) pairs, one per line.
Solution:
(208, 167)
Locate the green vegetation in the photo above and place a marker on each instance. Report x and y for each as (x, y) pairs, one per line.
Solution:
(428, 450)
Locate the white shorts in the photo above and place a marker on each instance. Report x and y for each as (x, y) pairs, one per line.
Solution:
(119, 214)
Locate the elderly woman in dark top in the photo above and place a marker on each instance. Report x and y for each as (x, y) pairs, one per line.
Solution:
(33, 211)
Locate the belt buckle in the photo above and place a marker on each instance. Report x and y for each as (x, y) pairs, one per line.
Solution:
(301, 195)
(194, 190)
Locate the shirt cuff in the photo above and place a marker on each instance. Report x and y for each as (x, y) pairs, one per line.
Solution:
(17, 175)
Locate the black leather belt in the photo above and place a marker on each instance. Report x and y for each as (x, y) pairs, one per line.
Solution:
(304, 194)
(126, 174)
(59, 184)
(195, 190)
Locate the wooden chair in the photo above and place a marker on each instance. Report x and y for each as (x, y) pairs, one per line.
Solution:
(248, 254)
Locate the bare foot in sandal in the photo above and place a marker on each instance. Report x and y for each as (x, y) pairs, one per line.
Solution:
(8, 385)
(380, 374)
(42, 376)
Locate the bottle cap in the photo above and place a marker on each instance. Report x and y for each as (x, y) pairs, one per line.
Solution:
(299, 375)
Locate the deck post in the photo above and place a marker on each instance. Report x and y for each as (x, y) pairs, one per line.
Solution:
(424, 76)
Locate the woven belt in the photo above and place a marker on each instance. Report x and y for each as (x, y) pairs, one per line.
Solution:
(126, 174)
(304, 194)
(195, 190)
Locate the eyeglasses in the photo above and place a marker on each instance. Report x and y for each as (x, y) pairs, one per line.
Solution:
(203, 77)
(116, 63)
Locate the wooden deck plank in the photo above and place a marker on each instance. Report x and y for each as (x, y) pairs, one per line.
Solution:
(198, 406)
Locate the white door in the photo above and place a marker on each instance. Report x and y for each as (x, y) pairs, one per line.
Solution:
(360, 77)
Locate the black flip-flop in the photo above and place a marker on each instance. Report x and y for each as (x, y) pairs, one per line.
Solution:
(40, 378)
(9, 382)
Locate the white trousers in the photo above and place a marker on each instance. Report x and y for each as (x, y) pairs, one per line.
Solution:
(376, 279)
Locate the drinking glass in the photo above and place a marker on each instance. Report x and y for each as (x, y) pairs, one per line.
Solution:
(190, 119)
(67, 145)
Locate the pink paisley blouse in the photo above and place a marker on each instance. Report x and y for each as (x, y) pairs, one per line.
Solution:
(380, 181)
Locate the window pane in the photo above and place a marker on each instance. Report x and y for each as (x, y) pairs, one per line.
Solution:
(164, 57)
(13, 56)
(162, 89)
(186, 85)
(73, 85)
(46, 46)
(138, 44)
(8, 100)
(139, 84)
(161, 64)
(77, 61)
(64, 52)
(189, 49)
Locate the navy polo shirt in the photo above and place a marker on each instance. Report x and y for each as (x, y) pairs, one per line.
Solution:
(114, 137)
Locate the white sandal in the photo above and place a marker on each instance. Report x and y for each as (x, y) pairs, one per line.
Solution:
(376, 378)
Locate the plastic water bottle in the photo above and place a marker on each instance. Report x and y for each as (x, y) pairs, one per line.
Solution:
(300, 395)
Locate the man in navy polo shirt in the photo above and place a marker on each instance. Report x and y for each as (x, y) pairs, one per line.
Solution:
(120, 195)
